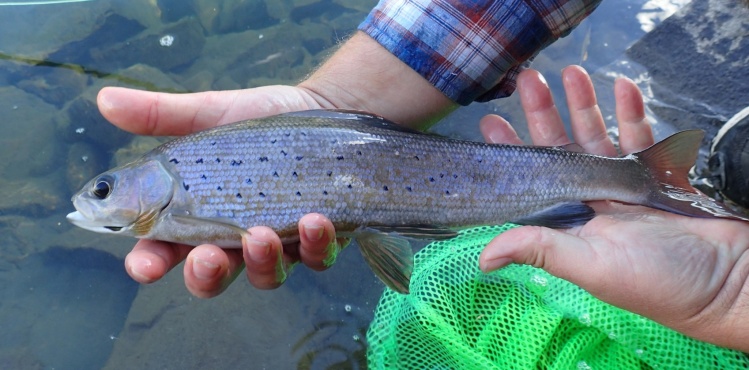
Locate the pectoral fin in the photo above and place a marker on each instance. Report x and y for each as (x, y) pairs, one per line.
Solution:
(389, 256)
(560, 216)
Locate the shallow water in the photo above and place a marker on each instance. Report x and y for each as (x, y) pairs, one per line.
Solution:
(66, 302)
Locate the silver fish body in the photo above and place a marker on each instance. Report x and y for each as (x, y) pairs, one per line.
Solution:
(363, 171)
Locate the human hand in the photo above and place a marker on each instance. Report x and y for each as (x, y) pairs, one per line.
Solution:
(689, 274)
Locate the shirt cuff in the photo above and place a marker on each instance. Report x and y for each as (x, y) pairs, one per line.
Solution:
(471, 50)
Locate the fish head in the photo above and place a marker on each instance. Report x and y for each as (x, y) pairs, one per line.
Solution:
(127, 200)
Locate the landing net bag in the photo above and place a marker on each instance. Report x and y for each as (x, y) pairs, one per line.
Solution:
(519, 317)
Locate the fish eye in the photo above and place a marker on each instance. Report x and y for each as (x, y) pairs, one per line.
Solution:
(103, 187)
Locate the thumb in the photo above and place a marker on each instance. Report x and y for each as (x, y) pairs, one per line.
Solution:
(561, 254)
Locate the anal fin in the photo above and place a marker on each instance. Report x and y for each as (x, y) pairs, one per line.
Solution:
(389, 256)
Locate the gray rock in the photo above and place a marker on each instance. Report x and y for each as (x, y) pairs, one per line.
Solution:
(83, 122)
(30, 147)
(166, 48)
(84, 162)
(135, 149)
(698, 65)
(55, 86)
(33, 197)
(233, 15)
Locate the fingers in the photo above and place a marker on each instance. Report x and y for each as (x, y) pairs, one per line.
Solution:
(152, 113)
(209, 270)
(155, 113)
(150, 260)
(318, 246)
(544, 123)
(560, 254)
(588, 127)
(263, 255)
(496, 130)
(635, 133)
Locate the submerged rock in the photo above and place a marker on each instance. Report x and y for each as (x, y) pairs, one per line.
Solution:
(172, 46)
(233, 15)
(137, 147)
(83, 122)
(28, 140)
(84, 162)
(68, 307)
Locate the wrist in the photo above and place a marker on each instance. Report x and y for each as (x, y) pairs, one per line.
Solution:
(363, 75)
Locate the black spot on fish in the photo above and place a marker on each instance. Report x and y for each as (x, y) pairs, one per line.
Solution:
(273, 141)
(330, 173)
(340, 157)
(218, 160)
(263, 159)
(358, 152)
(349, 186)
(431, 179)
(447, 192)
(334, 141)
(275, 174)
(298, 158)
(219, 188)
(455, 176)
(298, 194)
(385, 188)
(287, 134)
(294, 174)
(174, 160)
(187, 187)
(200, 160)
(239, 196)
(284, 153)
(261, 194)
(303, 133)
(409, 189)
(442, 175)
(236, 163)
(416, 157)
(249, 180)
(204, 177)
(213, 143)
(324, 192)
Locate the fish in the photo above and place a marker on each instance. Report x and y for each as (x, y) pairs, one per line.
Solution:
(379, 183)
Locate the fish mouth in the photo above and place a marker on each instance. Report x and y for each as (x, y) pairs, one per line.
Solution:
(78, 219)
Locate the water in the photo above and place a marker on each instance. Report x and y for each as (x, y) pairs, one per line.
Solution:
(65, 301)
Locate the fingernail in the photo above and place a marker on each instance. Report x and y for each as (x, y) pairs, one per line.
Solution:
(313, 232)
(138, 275)
(203, 269)
(494, 264)
(542, 79)
(259, 251)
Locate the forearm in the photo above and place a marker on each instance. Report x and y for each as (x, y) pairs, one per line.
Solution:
(365, 76)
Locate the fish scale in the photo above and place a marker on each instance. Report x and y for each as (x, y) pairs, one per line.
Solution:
(372, 178)
(271, 172)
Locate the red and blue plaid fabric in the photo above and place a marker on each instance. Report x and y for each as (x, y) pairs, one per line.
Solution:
(472, 50)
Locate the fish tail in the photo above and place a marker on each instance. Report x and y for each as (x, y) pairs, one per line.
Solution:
(668, 163)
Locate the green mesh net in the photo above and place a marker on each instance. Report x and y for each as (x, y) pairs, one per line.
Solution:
(519, 317)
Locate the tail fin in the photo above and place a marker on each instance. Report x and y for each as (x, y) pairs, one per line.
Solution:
(669, 162)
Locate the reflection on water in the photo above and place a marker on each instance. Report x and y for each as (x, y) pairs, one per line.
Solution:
(65, 301)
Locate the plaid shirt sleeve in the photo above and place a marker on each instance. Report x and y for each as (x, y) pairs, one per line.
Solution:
(472, 50)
